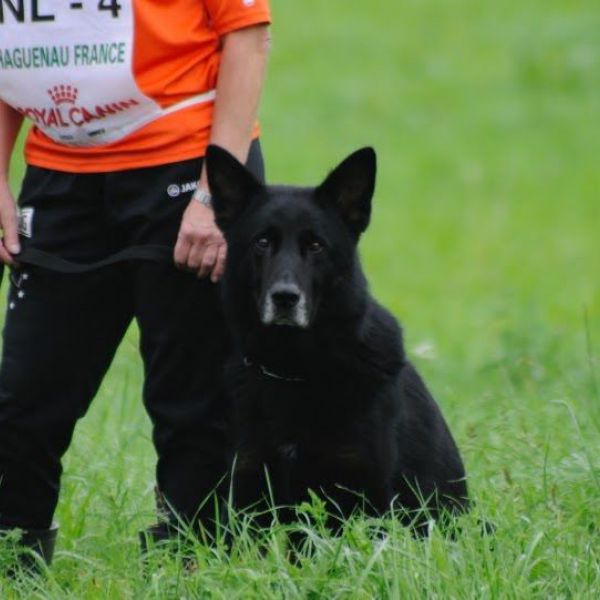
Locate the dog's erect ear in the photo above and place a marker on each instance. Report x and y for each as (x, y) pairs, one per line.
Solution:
(350, 187)
(230, 184)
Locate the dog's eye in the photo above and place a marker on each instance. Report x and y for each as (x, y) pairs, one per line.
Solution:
(262, 242)
(315, 246)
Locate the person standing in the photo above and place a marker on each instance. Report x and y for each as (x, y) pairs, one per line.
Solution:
(124, 98)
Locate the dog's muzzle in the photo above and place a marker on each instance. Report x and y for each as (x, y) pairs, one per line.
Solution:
(285, 304)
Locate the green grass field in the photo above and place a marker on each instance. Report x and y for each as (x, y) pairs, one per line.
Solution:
(485, 243)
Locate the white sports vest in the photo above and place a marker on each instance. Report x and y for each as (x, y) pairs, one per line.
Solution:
(68, 67)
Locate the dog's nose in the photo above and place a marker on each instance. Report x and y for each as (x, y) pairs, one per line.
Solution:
(285, 295)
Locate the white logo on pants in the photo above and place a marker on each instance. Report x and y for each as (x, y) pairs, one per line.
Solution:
(175, 190)
(26, 221)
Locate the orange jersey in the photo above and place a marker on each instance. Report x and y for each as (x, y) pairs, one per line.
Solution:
(119, 85)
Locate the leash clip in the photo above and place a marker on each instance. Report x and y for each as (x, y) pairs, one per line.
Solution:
(270, 374)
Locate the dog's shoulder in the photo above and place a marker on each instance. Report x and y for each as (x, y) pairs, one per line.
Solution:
(375, 346)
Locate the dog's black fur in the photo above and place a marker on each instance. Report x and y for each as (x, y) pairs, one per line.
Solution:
(324, 396)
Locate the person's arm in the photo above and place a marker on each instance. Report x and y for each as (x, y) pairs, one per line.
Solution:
(10, 124)
(200, 245)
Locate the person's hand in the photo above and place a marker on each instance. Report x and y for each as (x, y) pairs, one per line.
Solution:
(9, 244)
(200, 246)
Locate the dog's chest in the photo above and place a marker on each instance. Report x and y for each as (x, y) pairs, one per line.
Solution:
(324, 466)
(288, 453)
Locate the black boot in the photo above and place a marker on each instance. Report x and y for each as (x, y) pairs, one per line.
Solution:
(157, 535)
(167, 532)
(166, 537)
(40, 542)
(162, 532)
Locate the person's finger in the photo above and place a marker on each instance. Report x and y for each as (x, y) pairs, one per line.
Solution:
(219, 267)
(5, 255)
(9, 244)
(208, 259)
(11, 233)
(182, 250)
(194, 259)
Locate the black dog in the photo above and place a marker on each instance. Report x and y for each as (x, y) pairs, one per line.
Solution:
(324, 396)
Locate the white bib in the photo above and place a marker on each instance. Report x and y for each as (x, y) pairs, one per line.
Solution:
(72, 75)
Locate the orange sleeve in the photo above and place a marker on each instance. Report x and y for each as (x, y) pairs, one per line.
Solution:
(229, 15)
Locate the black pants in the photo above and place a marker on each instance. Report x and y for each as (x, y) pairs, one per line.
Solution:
(62, 331)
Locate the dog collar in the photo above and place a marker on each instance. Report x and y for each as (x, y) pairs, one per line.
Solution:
(270, 374)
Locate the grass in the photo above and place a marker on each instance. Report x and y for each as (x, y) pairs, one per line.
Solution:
(485, 243)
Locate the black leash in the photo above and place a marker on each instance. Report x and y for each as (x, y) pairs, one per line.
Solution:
(39, 258)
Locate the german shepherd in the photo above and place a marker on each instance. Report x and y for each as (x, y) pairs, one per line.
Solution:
(324, 397)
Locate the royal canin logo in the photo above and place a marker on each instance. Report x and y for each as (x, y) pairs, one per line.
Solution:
(67, 113)
(63, 94)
